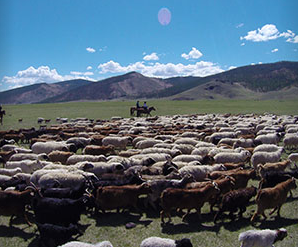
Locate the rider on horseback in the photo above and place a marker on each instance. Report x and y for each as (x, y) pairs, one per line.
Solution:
(145, 106)
(138, 104)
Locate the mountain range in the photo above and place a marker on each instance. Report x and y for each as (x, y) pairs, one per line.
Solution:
(263, 81)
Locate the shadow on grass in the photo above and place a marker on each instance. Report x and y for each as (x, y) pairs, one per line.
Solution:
(192, 224)
(274, 223)
(119, 219)
(12, 231)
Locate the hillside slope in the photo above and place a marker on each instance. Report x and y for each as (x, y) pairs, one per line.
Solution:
(258, 78)
(126, 86)
(38, 92)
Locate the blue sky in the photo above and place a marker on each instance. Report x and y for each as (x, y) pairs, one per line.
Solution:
(56, 40)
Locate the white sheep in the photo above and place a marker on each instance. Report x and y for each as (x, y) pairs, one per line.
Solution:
(271, 138)
(261, 238)
(184, 148)
(187, 158)
(186, 140)
(47, 147)
(266, 148)
(199, 172)
(9, 147)
(82, 244)
(165, 242)
(245, 143)
(10, 172)
(232, 157)
(215, 137)
(155, 156)
(28, 156)
(147, 143)
(215, 151)
(4, 178)
(204, 144)
(46, 178)
(27, 166)
(119, 142)
(203, 151)
(227, 141)
(293, 157)
(99, 168)
(291, 140)
(164, 145)
(265, 157)
(172, 152)
(86, 157)
(79, 141)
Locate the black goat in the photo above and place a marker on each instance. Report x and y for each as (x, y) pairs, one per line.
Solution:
(234, 200)
(54, 235)
(58, 211)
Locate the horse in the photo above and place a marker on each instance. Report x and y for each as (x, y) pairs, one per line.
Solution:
(2, 113)
(132, 110)
(145, 111)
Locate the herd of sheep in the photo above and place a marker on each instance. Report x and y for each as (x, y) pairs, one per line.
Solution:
(178, 162)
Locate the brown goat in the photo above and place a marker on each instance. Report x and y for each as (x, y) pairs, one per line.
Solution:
(240, 175)
(98, 150)
(116, 197)
(273, 198)
(13, 203)
(273, 167)
(173, 198)
(225, 184)
(6, 155)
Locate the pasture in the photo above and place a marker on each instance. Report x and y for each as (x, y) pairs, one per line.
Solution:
(111, 226)
(105, 110)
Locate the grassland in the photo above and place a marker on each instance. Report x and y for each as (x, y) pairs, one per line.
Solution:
(105, 110)
(111, 226)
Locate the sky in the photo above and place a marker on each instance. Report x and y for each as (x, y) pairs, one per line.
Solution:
(56, 40)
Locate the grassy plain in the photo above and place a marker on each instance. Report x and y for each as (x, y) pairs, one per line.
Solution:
(203, 233)
(105, 110)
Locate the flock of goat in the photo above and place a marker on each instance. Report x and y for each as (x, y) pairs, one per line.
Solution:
(177, 162)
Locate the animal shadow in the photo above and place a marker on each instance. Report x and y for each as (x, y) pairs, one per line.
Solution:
(119, 219)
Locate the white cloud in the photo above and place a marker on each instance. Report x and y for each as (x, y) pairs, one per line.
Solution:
(77, 73)
(201, 68)
(232, 67)
(293, 39)
(274, 50)
(90, 49)
(266, 33)
(153, 56)
(240, 25)
(242, 44)
(40, 75)
(193, 54)
(89, 68)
